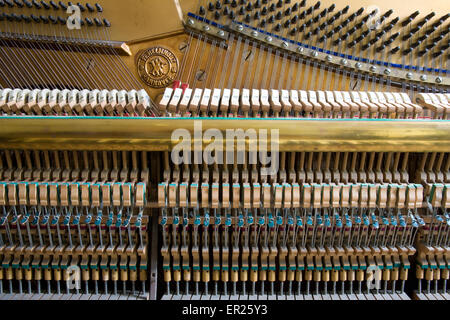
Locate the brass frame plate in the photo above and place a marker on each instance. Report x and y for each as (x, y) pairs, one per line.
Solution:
(154, 134)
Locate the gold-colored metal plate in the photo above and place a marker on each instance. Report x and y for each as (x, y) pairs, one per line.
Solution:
(155, 134)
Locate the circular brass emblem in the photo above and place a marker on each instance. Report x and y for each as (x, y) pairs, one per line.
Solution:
(157, 67)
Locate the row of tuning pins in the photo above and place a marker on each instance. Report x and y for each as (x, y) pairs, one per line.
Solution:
(287, 20)
(44, 5)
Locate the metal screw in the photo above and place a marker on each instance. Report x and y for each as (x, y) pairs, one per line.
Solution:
(423, 77)
(240, 28)
(329, 58)
(190, 22)
(344, 62)
(314, 53)
(300, 49)
(285, 44)
(206, 28)
(387, 71)
(221, 33)
(358, 65)
(269, 39)
(438, 80)
(409, 75)
(373, 68)
(254, 33)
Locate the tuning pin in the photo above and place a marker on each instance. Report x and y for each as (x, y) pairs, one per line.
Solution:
(279, 15)
(316, 31)
(421, 53)
(407, 51)
(323, 26)
(272, 7)
(437, 54)
(257, 15)
(287, 23)
(345, 10)
(394, 36)
(248, 18)
(359, 25)
(380, 48)
(351, 44)
(293, 31)
(280, 3)
(264, 11)
(302, 15)
(217, 15)
(395, 50)
(288, 12)
(271, 19)
(241, 11)
(45, 20)
(345, 36)
(317, 5)
(218, 5)
(374, 40)
(27, 19)
(364, 20)
(352, 17)
(234, 4)
(337, 15)
(444, 18)
(295, 7)
(323, 13)
(308, 35)
(394, 22)
(407, 36)
(322, 38)
(263, 23)
(430, 46)
(337, 29)
(202, 11)
(429, 16)
(388, 13)
(278, 27)
(380, 34)
(302, 28)
(360, 12)
(352, 30)
(444, 47)
(410, 18)
(362, 36)
(422, 38)
(415, 14)
(337, 41)
(294, 19)
(249, 7)
(365, 47)
(258, 4)
(232, 15)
